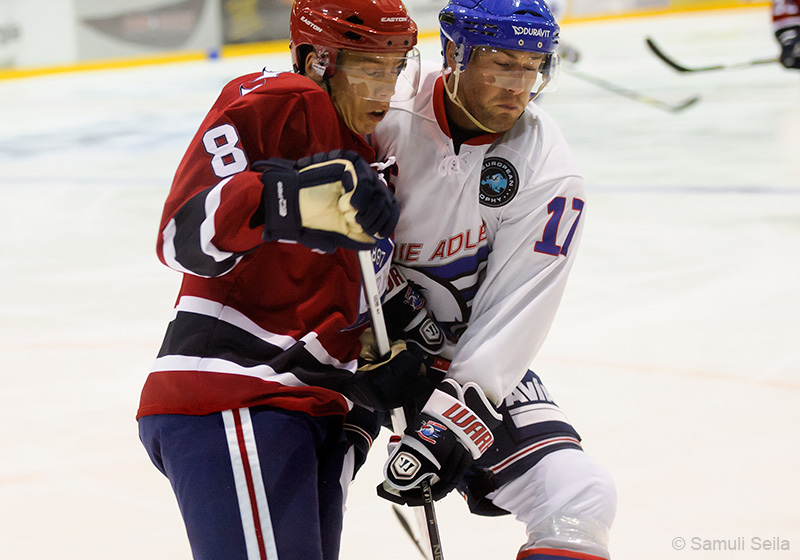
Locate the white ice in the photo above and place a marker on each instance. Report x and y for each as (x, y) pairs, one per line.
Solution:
(676, 351)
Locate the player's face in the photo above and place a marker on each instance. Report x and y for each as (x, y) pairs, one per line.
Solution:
(362, 86)
(497, 85)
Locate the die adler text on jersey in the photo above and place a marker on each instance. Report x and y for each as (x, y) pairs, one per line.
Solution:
(445, 249)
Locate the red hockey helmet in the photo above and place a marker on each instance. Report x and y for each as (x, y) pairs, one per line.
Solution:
(376, 26)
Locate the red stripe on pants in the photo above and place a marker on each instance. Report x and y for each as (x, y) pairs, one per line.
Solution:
(248, 473)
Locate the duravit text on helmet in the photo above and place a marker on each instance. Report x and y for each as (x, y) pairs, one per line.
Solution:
(535, 31)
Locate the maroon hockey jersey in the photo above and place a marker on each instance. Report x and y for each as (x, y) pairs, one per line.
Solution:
(255, 322)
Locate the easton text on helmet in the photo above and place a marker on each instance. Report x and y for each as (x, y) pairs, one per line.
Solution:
(311, 24)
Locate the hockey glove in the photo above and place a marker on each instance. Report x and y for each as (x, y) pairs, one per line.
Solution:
(385, 383)
(453, 430)
(406, 316)
(326, 201)
(789, 38)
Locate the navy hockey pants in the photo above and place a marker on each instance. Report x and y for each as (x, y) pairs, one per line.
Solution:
(254, 483)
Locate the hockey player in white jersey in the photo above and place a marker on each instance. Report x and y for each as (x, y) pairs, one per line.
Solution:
(492, 203)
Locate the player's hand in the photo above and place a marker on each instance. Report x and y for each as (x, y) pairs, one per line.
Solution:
(326, 201)
(453, 430)
(789, 38)
(408, 319)
(393, 381)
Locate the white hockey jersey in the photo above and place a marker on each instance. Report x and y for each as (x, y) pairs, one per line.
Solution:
(488, 234)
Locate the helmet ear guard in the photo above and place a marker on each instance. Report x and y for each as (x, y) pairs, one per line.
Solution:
(461, 54)
(300, 56)
(322, 63)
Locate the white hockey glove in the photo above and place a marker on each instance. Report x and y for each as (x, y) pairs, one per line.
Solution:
(789, 38)
(326, 201)
(453, 430)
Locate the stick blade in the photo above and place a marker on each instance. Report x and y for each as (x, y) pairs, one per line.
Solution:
(660, 54)
(409, 531)
(685, 104)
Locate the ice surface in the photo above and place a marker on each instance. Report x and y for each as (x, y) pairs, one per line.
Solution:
(676, 351)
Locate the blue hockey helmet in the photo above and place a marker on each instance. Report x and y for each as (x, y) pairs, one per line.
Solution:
(523, 25)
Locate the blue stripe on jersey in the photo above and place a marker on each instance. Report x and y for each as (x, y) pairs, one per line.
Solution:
(461, 267)
(469, 293)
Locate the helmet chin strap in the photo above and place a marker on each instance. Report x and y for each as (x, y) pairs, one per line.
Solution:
(457, 102)
(454, 98)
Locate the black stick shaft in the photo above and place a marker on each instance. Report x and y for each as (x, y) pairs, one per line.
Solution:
(635, 95)
(432, 524)
(397, 416)
(681, 68)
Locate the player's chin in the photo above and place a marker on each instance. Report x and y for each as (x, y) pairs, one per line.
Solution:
(502, 123)
(505, 118)
(371, 120)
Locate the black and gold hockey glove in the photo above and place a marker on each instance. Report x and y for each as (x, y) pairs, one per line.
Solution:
(326, 201)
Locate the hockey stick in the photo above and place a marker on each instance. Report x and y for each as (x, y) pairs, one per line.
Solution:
(680, 68)
(374, 302)
(636, 96)
(398, 417)
(407, 528)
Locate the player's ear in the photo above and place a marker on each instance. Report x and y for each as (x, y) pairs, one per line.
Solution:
(310, 71)
(450, 54)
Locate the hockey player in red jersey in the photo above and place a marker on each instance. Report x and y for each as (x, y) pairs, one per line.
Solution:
(243, 409)
(492, 218)
(786, 23)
